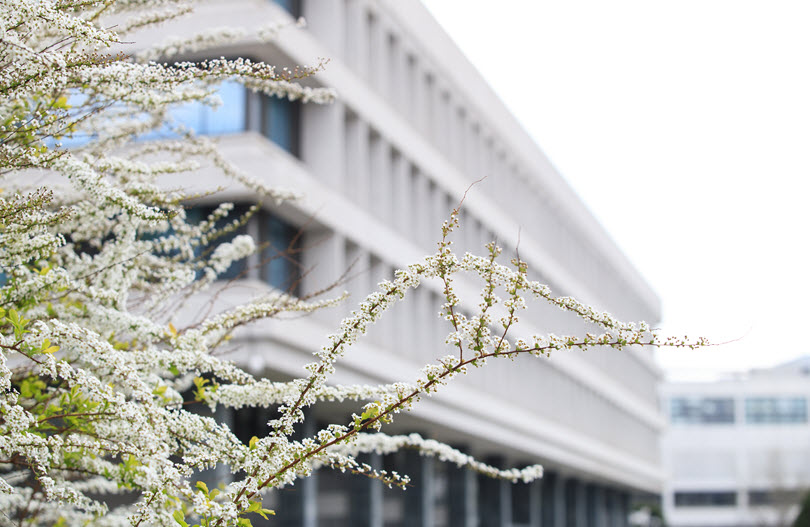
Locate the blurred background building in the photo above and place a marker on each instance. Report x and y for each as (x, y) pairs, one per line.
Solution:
(414, 127)
(737, 451)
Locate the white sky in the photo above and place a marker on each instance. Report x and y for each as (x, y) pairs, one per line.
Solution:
(685, 127)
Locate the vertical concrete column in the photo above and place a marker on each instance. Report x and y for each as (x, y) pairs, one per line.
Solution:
(493, 500)
(423, 338)
(326, 19)
(377, 51)
(408, 325)
(380, 180)
(485, 238)
(408, 79)
(357, 40)
(382, 331)
(420, 202)
(357, 158)
(468, 232)
(359, 281)
(253, 111)
(459, 135)
(323, 143)
(397, 85)
(325, 261)
(472, 150)
(441, 120)
(402, 193)
(415, 105)
(436, 124)
(439, 211)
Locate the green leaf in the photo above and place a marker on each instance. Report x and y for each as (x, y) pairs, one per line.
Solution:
(180, 518)
(202, 486)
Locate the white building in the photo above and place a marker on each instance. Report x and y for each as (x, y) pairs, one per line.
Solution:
(737, 451)
(415, 126)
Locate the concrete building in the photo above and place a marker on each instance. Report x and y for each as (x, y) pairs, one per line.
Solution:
(737, 451)
(415, 126)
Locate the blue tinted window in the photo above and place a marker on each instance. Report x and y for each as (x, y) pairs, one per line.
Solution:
(280, 122)
(280, 259)
(775, 410)
(291, 6)
(229, 118)
(702, 410)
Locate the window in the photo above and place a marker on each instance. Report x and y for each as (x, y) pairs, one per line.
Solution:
(702, 410)
(228, 118)
(280, 122)
(759, 498)
(280, 265)
(395, 501)
(293, 7)
(199, 213)
(775, 410)
(706, 499)
(521, 503)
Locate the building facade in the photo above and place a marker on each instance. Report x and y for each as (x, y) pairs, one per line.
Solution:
(414, 127)
(737, 451)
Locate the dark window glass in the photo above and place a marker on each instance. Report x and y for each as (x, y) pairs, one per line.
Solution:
(291, 6)
(440, 494)
(281, 267)
(776, 410)
(280, 118)
(335, 497)
(394, 499)
(702, 410)
(706, 499)
(758, 498)
(570, 497)
(547, 499)
(199, 213)
(521, 498)
(250, 421)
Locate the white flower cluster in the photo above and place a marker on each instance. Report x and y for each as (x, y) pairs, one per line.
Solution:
(384, 444)
(94, 376)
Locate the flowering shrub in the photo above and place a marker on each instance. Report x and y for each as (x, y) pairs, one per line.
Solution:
(96, 255)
